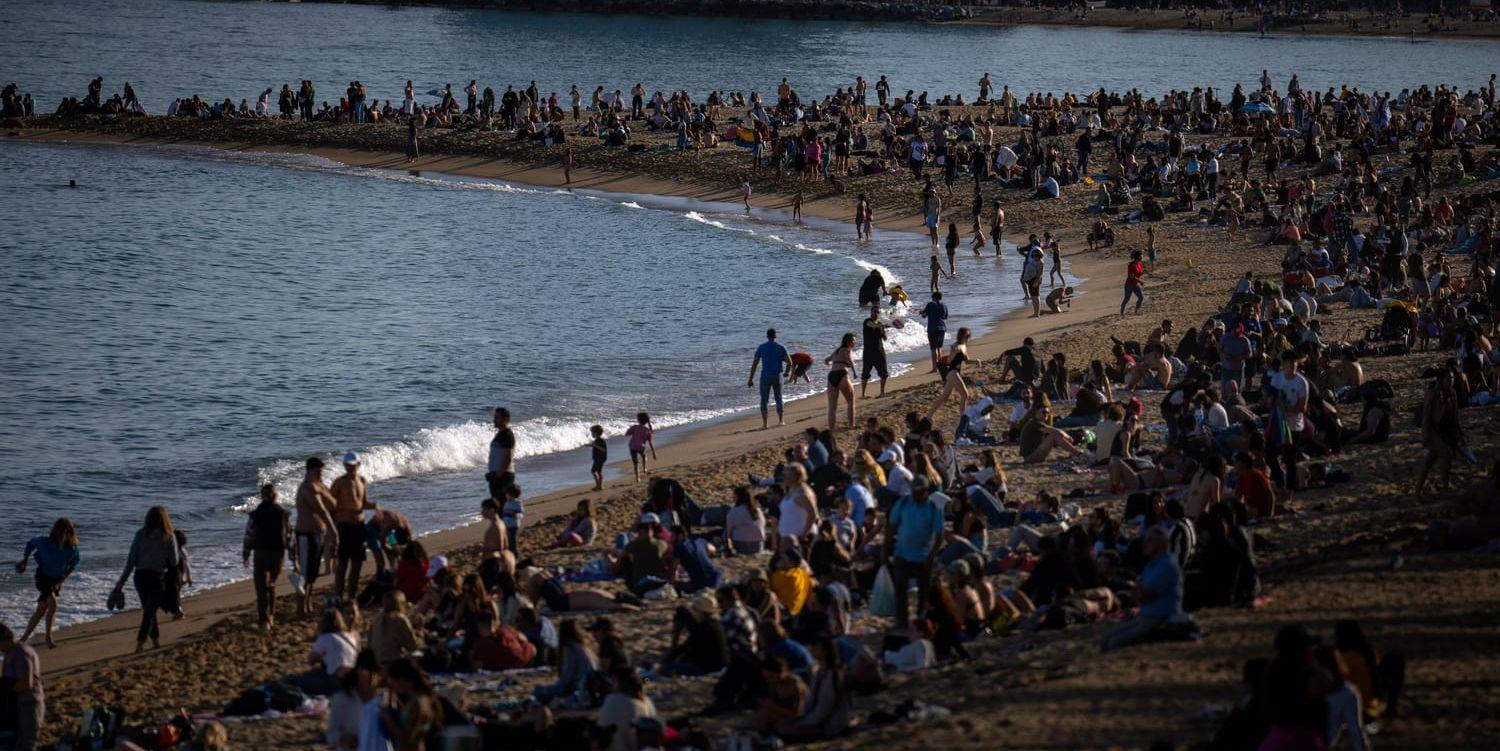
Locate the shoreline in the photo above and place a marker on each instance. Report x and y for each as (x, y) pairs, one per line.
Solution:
(84, 645)
(1245, 23)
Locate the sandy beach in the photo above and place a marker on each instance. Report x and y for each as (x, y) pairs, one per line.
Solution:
(1333, 557)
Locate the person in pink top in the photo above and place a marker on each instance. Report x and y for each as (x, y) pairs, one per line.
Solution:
(640, 439)
(814, 155)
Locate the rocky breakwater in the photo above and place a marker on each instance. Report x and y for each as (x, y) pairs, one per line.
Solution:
(851, 10)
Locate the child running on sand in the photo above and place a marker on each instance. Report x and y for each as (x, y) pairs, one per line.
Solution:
(641, 435)
(600, 451)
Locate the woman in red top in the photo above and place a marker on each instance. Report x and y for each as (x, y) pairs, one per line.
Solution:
(1133, 274)
(1253, 487)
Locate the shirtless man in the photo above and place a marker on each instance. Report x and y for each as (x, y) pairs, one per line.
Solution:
(494, 556)
(378, 531)
(1153, 362)
(314, 523)
(350, 500)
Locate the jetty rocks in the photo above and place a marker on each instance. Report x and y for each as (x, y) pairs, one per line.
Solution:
(846, 10)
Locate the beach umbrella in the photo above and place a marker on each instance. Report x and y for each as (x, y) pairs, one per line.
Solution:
(1258, 108)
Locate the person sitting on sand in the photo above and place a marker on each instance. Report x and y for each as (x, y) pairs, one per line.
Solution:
(500, 647)
(333, 653)
(918, 652)
(1039, 439)
(1159, 593)
(1153, 371)
(578, 660)
(699, 645)
(581, 528)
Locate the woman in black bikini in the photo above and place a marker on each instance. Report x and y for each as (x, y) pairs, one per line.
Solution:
(841, 362)
(953, 377)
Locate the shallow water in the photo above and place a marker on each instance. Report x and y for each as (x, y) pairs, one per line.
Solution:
(189, 323)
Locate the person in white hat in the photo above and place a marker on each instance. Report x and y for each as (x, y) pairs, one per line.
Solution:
(350, 500)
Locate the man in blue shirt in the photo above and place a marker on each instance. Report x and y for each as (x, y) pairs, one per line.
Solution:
(936, 314)
(1159, 591)
(771, 359)
(914, 529)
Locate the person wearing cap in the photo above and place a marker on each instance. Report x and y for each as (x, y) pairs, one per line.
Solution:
(350, 500)
(314, 528)
(268, 535)
(699, 646)
(1159, 592)
(643, 562)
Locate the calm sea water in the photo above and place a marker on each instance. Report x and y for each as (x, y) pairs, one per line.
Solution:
(187, 324)
(171, 48)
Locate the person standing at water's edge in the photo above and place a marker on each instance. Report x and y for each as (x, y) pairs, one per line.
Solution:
(23, 671)
(56, 558)
(936, 314)
(874, 357)
(350, 500)
(771, 359)
(314, 523)
(501, 472)
(153, 553)
(268, 535)
(841, 365)
(413, 129)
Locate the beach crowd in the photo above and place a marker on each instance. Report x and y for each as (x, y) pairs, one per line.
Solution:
(1194, 434)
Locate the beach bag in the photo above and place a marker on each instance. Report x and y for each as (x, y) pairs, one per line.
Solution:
(883, 596)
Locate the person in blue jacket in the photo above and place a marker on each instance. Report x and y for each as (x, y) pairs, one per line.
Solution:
(56, 558)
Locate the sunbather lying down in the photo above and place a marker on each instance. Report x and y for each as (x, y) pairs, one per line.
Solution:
(541, 587)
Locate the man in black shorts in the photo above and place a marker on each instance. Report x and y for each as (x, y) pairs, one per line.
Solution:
(936, 314)
(314, 521)
(502, 472)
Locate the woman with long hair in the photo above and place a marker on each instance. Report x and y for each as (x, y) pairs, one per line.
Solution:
(953, 377)
(417, 713)
(799, 509)
(153, 553)
(829, 705)
(841, 364)
(56, 558)
(578, 659)
(334, 652)
(745, 524)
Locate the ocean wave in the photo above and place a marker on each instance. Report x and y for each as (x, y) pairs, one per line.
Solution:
(632, 205)
(459, 447)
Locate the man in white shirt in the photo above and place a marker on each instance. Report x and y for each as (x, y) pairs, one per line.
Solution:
(1292, 392)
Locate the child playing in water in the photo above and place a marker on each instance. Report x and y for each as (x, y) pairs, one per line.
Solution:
(641, 435)
(745, 190)
(600, 451)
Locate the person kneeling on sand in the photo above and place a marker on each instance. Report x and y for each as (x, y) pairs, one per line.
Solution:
(1059, 297)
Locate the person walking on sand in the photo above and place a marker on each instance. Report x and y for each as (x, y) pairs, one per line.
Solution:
(1134, 272)
(797, 206)
(313, 524)
(936, 315)
(268, 535)
(501, 468)
(568, 166)
(56, 558)
(874, 355)
(841, 364)
(864, 217)
(641, 436)
(745, 193)
(23, 672)
(350, 500)
(953, 377)
(1049, 245)
(153, 553)
(771, 359)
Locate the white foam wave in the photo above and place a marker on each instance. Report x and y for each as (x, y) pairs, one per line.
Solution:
(632, 204)
(819, 251)
(460, 447)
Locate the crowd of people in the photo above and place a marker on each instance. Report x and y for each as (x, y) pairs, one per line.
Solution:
(916, 523)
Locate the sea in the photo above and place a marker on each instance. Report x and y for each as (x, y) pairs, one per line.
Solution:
(188, 323)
